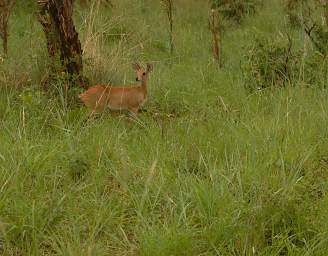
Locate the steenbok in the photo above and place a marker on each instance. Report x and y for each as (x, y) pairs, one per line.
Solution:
(130, 98)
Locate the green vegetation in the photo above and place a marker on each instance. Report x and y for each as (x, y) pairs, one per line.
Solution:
(236, 9)
(209, 167)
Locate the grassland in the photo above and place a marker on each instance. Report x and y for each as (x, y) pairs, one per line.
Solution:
(206, 169)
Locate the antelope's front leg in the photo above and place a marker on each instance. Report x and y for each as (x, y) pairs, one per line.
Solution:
(134, 110)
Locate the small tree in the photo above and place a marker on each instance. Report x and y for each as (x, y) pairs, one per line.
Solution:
(5, 10)
(232, 10)
(56, 19)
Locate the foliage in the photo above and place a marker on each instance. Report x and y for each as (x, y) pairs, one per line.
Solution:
(107, 3)
(309, 15)
(205, 169)
(295, 10)
(236, 9)
(270, 62)
(315, 69)
(318, 35)
(275, 62)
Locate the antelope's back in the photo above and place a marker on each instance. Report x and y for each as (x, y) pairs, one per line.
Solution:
(95, 97)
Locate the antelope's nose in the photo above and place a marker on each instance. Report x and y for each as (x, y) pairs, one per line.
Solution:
(137, 79)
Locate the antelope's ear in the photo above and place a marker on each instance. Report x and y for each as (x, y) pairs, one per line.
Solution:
(149, 67)
(136, 66)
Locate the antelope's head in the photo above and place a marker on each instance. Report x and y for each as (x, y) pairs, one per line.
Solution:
(141, 73)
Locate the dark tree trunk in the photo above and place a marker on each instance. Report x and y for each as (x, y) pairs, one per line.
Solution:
(5, 10)
(62, 38)
(48, 28)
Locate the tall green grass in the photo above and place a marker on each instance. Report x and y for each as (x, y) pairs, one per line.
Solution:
(206, 169)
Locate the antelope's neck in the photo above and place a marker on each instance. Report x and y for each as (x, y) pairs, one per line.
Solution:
(144, 85)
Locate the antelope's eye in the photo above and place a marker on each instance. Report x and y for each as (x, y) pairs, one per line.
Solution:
(143, 73)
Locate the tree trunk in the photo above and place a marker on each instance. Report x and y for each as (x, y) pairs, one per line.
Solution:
(62, 38)
(168, 6)
(5, 10)
(48, 28)
(215, 29)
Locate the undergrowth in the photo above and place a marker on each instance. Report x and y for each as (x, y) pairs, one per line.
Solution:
(210, 166)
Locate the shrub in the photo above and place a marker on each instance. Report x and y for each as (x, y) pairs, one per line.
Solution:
(295, 12)
(270, 62)
(315, 70)
(273, 62)
(308, 15)
(236, 9)
(318, 35)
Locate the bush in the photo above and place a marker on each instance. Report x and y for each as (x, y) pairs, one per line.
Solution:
(270, 62)
(315, 70)
(319, 38)
(236, 9)
(307, 15)
(295, 12)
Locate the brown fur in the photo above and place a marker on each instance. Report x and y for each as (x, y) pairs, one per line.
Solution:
(131, 98)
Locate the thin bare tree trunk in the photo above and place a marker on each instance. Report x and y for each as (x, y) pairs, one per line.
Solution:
(216, 43)
(168, 5)
(5, 10)
(62, 38)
